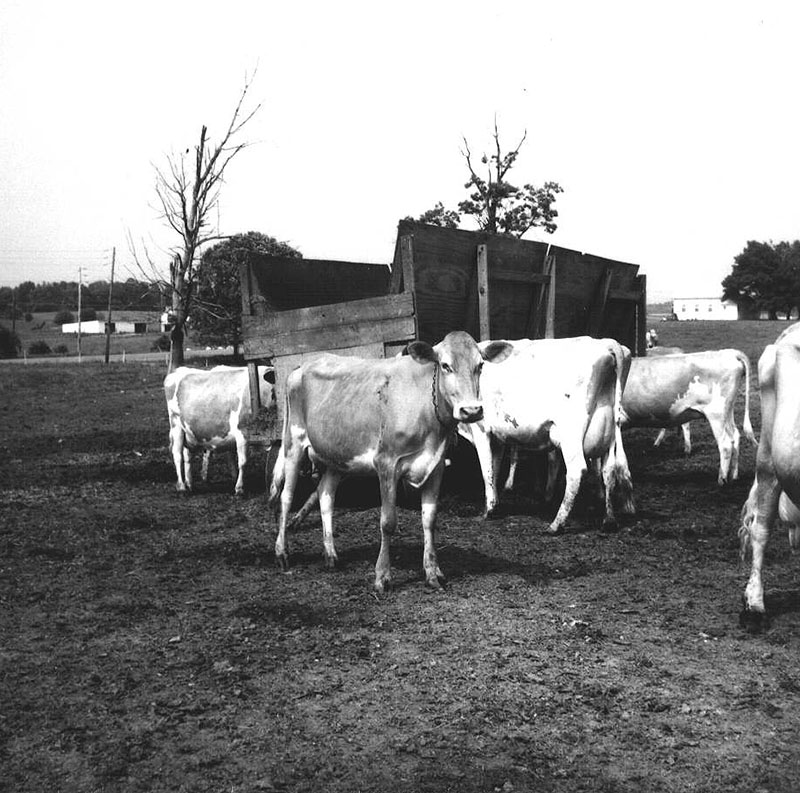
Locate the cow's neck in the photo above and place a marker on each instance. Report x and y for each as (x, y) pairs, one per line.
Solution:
(446, 423)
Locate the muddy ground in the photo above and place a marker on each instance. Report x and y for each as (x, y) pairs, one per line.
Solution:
(149, 643)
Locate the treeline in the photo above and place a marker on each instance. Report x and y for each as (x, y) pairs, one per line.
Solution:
(29, 298)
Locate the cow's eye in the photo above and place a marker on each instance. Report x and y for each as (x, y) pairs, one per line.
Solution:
(479, 368)
(446, 368)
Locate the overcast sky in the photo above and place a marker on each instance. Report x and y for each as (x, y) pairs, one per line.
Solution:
(672, 127)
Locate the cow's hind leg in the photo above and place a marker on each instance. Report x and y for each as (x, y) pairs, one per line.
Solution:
(327, 495)
(177, 449)
(237, 467)
(758, 516)
(575, 464)
(430, 500)
(287, 470)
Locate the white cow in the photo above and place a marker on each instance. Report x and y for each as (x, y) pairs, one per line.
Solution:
(776, 486)
(393, 418)
(207, 408)
(561, 394)
(671, 390)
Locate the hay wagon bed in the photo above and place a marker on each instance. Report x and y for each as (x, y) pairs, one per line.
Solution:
(440, 280)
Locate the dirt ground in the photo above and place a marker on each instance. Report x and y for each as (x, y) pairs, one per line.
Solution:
(148, 643)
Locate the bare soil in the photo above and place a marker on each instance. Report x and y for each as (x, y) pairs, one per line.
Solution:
(148, 643)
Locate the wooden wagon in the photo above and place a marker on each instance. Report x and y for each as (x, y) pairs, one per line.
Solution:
(440, 280)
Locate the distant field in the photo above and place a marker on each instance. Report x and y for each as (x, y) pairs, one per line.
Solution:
(749, 336)
(41, 328)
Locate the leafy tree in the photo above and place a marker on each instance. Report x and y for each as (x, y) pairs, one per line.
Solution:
(765, 277)
(497, 205)
(64, 317)
(439, 216)
(10, 345)
(217, 318)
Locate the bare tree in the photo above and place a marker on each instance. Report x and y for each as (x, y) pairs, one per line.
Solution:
(188, 191)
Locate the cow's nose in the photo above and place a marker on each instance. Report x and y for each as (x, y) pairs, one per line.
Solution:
(470, 413)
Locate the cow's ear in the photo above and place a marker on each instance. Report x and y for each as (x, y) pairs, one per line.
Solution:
(496, 351)
(422, 352)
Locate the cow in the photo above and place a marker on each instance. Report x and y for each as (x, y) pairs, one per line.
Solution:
(557, 395)
(776, 486)
(671, 390)
(207, 408)
(393, 418)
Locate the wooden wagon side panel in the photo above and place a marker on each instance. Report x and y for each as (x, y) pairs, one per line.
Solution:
(496, 287)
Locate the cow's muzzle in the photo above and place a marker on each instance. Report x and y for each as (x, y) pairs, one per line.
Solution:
(469, 413)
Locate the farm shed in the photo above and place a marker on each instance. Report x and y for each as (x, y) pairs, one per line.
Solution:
(685, 308)
(440, 280)
(96, 326)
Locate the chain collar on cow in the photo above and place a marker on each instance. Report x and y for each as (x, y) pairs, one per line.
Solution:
(435, 397)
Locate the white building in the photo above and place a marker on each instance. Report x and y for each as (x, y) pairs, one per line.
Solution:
(99, 326)
(704, 308)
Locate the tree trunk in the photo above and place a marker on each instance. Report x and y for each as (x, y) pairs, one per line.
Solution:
(176, 357)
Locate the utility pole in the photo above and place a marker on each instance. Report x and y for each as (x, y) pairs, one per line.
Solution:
(108, 313)
(79, 314)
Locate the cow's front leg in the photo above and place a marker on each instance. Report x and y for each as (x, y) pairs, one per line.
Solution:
(383, 569)
(430, 501)
(326, 491)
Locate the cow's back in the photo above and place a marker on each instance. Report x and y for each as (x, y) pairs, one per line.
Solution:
(207, 403)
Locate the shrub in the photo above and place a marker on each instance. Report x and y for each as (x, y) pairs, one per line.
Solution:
(39, 347)
(161, 344)
(63, 317)
(88, 315)
(10, 345)
(28, 316)
(61, 349)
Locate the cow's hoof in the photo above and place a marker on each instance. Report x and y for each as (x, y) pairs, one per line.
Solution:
(383, 587)
(282, 562)
(609, 526)
(492, 514)
(752, 621)
(552, 529)
(436, 583)
(330, 561)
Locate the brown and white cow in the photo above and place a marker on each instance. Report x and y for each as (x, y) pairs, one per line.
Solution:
(557, 394)
(392, 417)
(776, 486)
(671, 390)
(207, 408)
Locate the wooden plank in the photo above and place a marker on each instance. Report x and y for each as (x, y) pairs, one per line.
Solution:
(641, 317)
(535, 316)
(511, 276)
(598, 308)
(366, 310)
(550, 317)
(483, 292)
(407, 259)
(352, 334)
(626, 295)
(255, 391)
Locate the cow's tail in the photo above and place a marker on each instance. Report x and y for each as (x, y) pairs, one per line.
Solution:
(623, 484)
(747, 427)
(279, 470)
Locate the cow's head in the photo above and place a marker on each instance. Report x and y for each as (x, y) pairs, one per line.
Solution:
(456, 380)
